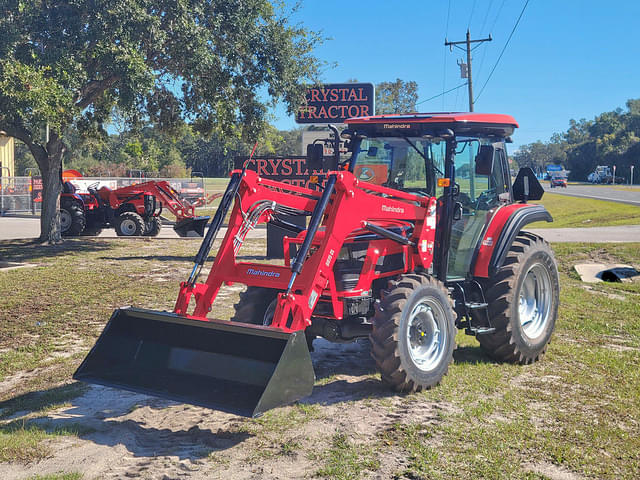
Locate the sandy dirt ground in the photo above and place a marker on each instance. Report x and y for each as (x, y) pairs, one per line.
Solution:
(130, 435)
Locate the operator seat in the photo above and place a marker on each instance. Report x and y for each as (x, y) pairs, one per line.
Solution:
(68, 187)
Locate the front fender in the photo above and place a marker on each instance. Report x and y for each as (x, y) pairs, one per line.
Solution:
(502, 229)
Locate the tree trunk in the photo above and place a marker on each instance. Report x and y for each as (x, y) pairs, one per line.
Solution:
(50, 163)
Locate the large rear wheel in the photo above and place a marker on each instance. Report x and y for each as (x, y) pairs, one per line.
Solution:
(523, 302)
(72, 221)
(152, 227)
(414, 332)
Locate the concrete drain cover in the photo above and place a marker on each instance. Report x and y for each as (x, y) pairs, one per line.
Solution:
(599, 272)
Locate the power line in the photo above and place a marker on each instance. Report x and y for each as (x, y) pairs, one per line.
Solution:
(497, 15)
(444, 68)
(503, 49)
(473, 7)
(486, 15)
(495, 21)
(443, 93)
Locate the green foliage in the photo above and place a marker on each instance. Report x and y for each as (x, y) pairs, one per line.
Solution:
(159, 60)
(611, 138)
(67, 64)
(396, 97)
(538, 155)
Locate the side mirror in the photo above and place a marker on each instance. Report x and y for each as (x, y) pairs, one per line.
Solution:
(457, 211)
(315, 157)
(484, 160)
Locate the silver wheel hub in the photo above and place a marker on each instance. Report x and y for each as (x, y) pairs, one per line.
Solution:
(65, 220)
(426, 335)
(534, 301)
(128, 227)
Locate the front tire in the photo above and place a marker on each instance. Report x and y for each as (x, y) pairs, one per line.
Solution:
(152, 227)
(414, 332)
(129, 224)
(253, 306)
(523, 302)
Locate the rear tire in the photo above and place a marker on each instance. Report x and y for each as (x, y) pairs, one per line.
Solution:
(253, 305)
(152, 227)
(129, 224)
(72, 221)
(523, 302)
(414, 333)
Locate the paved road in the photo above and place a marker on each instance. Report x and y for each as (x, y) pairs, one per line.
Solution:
(621, 233)
(12, 228)
(619, 193)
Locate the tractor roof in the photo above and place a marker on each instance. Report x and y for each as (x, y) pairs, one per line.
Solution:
(419, 123)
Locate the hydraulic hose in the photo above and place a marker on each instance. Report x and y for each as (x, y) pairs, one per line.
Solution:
(314, 223)
(214, 226)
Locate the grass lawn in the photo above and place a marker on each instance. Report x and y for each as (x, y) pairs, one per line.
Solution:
(574, 415)
(586, 212)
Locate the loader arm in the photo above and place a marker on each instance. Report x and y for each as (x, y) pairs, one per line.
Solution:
(310, 276)
(185, 212)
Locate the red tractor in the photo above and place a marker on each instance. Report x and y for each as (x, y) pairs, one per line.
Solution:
(416, 233)
(133, 211)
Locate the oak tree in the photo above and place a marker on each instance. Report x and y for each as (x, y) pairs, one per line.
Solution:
(215, 64)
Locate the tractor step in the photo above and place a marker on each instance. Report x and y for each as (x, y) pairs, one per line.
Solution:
(476, 305)
(479, 330)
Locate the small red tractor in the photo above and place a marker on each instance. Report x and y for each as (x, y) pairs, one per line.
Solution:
(133, 211)
(417, 232)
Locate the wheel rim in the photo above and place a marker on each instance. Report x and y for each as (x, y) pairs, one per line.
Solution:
(128, 227)
(427, 335)
(65, 220)
(534, 303)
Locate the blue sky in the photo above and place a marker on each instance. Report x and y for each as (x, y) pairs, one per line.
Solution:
(567, 58)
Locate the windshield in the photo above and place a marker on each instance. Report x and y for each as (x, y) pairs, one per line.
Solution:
(404, 163)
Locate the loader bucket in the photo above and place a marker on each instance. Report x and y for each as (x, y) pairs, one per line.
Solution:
(237, 368)
(189, 225)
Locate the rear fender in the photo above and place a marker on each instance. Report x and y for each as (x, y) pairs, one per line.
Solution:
(504, 226)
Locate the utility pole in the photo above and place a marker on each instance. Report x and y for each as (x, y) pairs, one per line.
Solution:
(468, 49)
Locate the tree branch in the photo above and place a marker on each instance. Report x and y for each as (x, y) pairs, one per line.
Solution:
(94, 89)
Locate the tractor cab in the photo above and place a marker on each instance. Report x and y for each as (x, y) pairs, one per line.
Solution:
(460, 158)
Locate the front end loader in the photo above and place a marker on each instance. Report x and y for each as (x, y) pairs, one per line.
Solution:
(419, 231)
(132, 211)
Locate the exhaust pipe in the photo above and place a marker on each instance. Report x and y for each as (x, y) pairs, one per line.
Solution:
(236, 368)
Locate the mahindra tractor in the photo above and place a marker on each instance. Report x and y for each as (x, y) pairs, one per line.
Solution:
(416, 232)
(132, 211)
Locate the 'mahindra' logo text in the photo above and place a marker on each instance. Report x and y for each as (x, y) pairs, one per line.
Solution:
(262, 273)
(389, 208)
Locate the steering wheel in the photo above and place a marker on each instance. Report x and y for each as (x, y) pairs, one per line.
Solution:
(486, 199)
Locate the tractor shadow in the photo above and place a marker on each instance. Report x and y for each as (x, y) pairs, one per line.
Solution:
(161, 258)
(473, 355)
(146, 426)
(344, 372)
